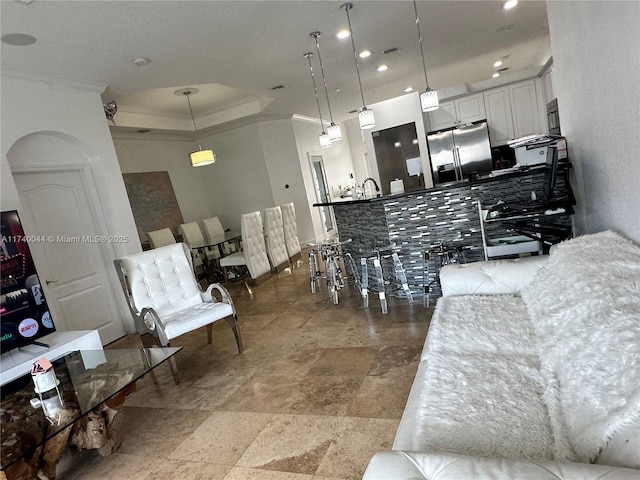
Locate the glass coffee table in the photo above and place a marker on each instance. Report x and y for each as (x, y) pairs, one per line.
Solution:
(92, 386)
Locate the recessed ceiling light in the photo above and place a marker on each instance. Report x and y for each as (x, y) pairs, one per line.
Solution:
(414, 141)
(497, 63)
(397, 144)
(495, 75)
(342, 34)
(365, 54)
(141, 61)
(382, 68)
(408, 89)
(509, 4)
(18, 39)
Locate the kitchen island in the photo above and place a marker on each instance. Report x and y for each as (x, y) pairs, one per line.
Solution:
(413, 223)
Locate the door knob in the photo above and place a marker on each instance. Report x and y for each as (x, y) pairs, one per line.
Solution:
(49, 282)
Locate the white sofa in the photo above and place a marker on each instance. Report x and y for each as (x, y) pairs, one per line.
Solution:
(530, 369)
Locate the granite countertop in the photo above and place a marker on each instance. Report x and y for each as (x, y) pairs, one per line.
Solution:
(485, 179)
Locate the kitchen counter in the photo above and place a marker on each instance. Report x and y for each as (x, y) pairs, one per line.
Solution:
(412, 223)
(526, 171)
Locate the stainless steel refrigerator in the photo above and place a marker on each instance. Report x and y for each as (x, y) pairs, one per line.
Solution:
(458, 152)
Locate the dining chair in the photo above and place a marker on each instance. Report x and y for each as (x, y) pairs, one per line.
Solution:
(291, 232)
(213, 229)
(161, 238)
(253, 255)
(274, 239)
(193, 237)
(166, 301)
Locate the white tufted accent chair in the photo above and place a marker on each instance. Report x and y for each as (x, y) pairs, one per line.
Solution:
(274, 239)
(161, 238)
(254, 253)
(291, 231)
(165, 299)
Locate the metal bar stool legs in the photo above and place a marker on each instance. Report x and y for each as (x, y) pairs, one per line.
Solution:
(401, 277)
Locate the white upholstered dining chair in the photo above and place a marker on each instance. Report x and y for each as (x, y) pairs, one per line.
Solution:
(274, 239)
(161, 238)
(166, 301)
(253, 255)
(213, 229)
(291, 231)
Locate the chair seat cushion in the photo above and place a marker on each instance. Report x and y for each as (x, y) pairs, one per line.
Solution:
(233, 260)
(193, 317)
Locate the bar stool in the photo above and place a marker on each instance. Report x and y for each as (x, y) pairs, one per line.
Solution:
(398, 286)
(332, 255)
(439, 255)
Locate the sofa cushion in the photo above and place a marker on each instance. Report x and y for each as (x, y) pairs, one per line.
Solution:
(481, 404)
(481, 323)
(585, 310)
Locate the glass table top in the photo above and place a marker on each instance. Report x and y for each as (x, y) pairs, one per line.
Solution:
(87, 379)
(215, 241)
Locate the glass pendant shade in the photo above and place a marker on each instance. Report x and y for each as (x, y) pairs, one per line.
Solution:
(429, 100)
(335, 132)
(366, 118)
(200, 158)
(325, 140)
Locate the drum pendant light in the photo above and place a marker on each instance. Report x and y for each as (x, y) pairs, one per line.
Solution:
(200, 157)
(325, 141)
(365, 116)
(428, 98)
(334, 130)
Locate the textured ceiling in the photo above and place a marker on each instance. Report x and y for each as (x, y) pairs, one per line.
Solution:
(235, 51)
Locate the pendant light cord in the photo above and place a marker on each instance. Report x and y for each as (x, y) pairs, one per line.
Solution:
(415, 7)
(315, 89)
(193, 119)
(324, 81)
(347, 7)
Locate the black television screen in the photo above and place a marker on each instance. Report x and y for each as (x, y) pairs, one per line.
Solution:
(550, 174)
(24, 314)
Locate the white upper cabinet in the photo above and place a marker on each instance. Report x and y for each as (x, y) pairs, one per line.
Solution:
(512, 112)
(499, 118)
(467, 109)
(524, 108)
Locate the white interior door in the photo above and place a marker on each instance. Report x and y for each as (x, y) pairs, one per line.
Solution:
(72, 261)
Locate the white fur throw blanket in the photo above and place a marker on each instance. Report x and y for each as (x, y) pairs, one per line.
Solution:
(585, 311)
(478, 390)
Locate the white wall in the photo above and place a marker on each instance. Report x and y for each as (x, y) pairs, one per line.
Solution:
(596, 55)
(141, 154)
(32, 105)
(337, 162)
(391, 113)
(285, 175)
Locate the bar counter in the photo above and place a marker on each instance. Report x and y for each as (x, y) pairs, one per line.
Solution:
(411, 223)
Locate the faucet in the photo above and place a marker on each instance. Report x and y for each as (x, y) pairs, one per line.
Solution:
(364, 193)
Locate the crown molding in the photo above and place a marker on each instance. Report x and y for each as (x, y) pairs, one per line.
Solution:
(58, 80)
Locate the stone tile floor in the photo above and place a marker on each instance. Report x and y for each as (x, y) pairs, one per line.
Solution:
(319, 388)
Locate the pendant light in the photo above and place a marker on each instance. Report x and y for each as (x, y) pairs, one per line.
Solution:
(200, 157)
(365, 115)
(428, 98)
(334, 131)
(325, 141)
